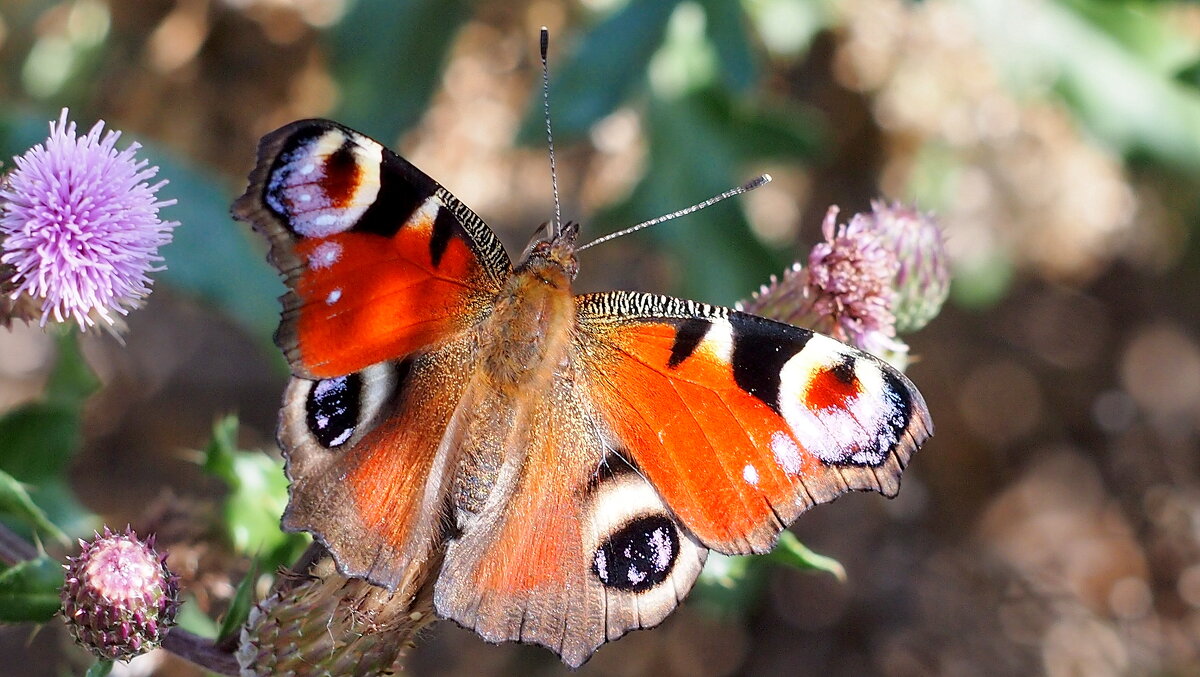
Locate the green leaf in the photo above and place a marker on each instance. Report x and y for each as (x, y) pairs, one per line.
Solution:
(71, 380)
(726, 25)
(388, 57)
(15, 501)
(191, 618)
(597, 78)
(29, 591)
(240, 605)
(780, 131)
(1148, 33)
(256, 499)
(38, 440)
(221, 453)
(100, 669)
(731, 585)
(792, 552)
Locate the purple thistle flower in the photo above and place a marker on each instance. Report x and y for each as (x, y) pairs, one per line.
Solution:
(884, 271)
(79, 226)
(850, 279)
(923, 279)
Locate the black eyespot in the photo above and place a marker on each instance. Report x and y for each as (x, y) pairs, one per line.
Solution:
(639, 556)
(333, 409)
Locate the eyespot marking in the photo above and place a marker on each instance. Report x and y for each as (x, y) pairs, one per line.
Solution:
(332, 409)
(639, 556)
(322, 183)
(844, 407)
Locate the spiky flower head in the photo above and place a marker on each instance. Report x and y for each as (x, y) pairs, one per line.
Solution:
(850, 281)
(119, 599)
(923, 279)
(328, 624)
(881, 273)
(79, 226)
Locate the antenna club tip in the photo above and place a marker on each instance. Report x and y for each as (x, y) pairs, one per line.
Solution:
(757, 182)
(545, 40)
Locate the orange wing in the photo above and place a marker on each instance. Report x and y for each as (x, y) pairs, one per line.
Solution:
(739, 422)
(367, 455)
(380, 261)
(572, 548)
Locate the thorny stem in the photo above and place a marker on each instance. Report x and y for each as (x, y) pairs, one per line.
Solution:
(198, 650)
(201, 651)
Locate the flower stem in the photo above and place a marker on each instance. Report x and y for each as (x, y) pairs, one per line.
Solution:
(200, 651)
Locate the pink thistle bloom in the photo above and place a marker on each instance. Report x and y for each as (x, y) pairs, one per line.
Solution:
(923, 279)
(850, 279)
(883, 272)
(79, 226)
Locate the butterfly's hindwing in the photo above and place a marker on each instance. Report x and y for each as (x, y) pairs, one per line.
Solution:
(573, 547)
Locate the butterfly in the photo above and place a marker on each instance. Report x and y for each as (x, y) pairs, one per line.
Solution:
(567, 461)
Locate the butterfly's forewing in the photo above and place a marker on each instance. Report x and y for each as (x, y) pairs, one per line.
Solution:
(387, 273)
(380, 261)
(742, 423)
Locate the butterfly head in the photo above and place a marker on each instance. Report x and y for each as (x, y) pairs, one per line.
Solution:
(552, 247)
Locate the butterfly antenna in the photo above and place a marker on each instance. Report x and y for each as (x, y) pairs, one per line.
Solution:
(756, 182)
(549, 134)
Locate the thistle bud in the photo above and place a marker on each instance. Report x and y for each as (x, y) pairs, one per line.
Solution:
(119, 599)
(328, 624)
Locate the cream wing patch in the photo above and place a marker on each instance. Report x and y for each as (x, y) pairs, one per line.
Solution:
(840, 404)
(325, 184)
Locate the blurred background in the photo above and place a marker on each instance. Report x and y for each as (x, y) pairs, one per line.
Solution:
(1053, 524)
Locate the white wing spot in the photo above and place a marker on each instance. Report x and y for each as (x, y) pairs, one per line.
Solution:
(787, 454)
(342, 437)
(660, 544)
(333, 297)
(324, 255)
(750, 474)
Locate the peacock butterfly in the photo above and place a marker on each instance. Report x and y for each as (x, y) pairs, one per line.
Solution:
(569, 460)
